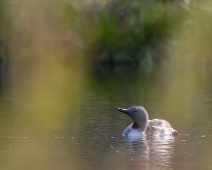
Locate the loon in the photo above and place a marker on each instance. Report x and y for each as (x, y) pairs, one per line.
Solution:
(142, 126)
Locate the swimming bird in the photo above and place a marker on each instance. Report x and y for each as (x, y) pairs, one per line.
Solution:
(142, 126)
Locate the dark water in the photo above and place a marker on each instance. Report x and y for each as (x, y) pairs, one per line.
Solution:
(85, 131)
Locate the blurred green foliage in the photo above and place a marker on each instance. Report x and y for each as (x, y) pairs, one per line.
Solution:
(125, 32)
(192, 46)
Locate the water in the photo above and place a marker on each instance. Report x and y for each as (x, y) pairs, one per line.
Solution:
(84, 131)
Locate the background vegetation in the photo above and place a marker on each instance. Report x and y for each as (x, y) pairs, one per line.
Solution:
(115, 32)
(126, 32)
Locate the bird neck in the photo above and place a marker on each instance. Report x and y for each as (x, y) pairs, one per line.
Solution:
(140, 125)
(140, 120)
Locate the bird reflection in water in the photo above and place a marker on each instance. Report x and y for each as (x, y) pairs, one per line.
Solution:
(149, 152)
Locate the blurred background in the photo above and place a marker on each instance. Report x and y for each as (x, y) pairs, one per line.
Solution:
(66, 64)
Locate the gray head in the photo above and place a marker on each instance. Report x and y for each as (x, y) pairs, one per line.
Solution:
(139, 116)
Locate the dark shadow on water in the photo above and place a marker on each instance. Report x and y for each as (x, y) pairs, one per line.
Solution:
(1, 72)
(109, 70)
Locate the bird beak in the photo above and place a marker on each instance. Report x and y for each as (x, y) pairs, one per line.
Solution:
(122, 110)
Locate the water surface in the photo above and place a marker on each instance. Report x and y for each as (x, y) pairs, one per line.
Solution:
(83, 130)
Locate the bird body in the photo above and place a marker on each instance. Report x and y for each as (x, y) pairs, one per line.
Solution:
(142, 126)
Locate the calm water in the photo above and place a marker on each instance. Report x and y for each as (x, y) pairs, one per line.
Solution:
(84, 131)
